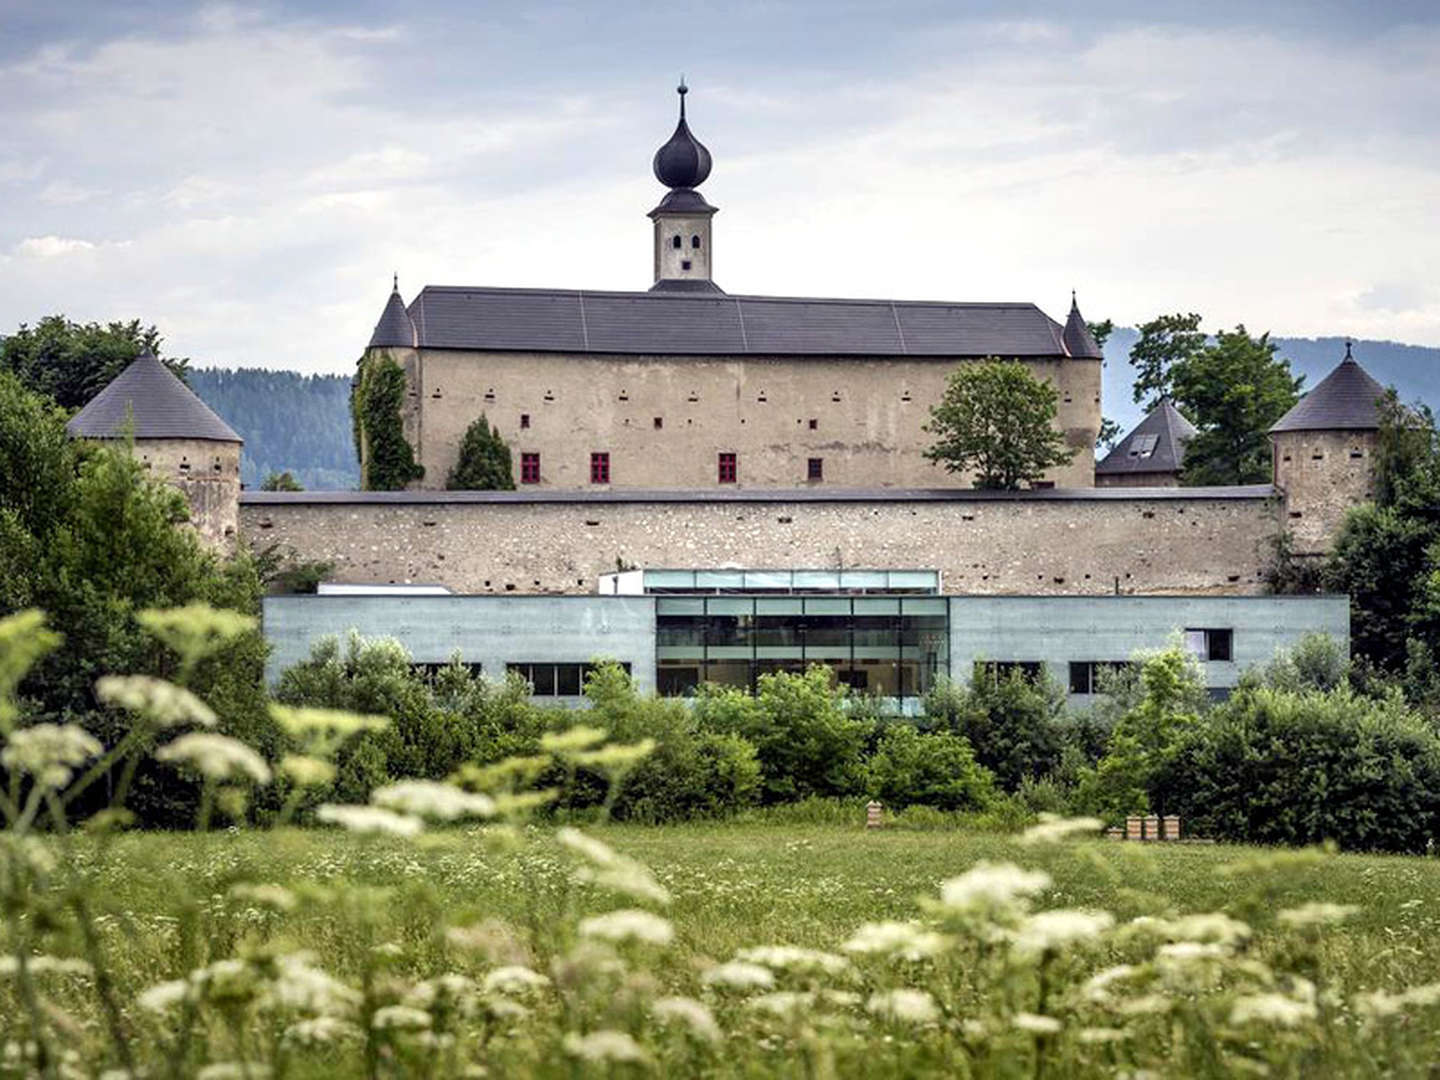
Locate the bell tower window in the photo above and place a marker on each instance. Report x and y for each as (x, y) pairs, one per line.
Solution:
(695, 242)
(675, 241)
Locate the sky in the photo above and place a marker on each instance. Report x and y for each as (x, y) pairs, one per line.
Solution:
(248, 177)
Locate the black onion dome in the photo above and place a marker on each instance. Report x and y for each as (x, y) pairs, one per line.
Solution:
(683, 162)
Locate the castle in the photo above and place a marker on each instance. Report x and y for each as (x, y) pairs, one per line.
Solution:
(712, 486)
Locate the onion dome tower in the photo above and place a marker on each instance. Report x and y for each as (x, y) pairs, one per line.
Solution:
(683, 258)
(1324, 454)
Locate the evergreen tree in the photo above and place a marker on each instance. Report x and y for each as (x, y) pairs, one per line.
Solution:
(281, 481)
(998, 420)
(484, 463)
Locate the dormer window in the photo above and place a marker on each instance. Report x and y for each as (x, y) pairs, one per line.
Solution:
(675, 242)
(695, 242)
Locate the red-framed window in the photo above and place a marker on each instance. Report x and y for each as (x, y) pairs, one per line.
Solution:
(530, 468)
(600, 467)
(727, 468)
(815, 469)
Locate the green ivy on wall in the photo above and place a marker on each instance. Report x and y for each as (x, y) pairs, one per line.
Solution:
(387, 461)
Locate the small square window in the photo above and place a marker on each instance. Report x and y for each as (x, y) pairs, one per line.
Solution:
(659, 422)
(814, 424)
(524, 419)
(727, 468)
(815, 469)
(529, 468)
(684, 264)
(1209, 644)
(600, 467)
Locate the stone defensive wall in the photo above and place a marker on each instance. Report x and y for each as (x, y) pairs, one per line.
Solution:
(1183, 541)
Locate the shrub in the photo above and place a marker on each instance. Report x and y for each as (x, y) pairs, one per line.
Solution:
(806, 740)
(484, 463)
(1013, 723)
(935, 769)
(1287, 767)
(1317, 662)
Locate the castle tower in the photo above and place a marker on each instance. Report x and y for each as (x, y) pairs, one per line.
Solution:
(177, 438)
(1323, 453)
(683, 255)
(396, 338)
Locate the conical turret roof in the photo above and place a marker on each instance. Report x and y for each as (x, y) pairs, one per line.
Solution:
(1345, 400)
(159, 405)
(1157, 445)
(395, 330)
(1077, 337)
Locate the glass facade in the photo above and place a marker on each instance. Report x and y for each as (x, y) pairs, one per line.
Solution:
(890, 646)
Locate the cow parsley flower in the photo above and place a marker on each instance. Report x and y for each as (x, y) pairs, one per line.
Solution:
(1051, 930)
(301, 986)
(306, 771)
(739, 975)
(987, 886)
(782, 1003)
(1052, 829)
(1316, 914)
(906, 1005)
(1101, 1035)
(578, 737)
(611, 870)
(218, 757)
(514, 980)
(369, 819)
(163, 703)
(689, 1012)
(45, 965)
(431, 799)
(904, 940)
(308, 722)
(233, 1070)
(400, 1018)
(49, 752)
(162, 997)
(1274, 1009)
(320, 1030)
(629, 924)
(1036, 1024)
(605, 1046)
(792, 958)
(272, 896)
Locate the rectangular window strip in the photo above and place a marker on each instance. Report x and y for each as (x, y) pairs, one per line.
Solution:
(555, 680)
(727, 468)
(1210, 644)
(600, 467)
(1090, 676)
(530, 468)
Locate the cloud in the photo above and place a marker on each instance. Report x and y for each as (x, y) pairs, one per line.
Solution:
(1395, 296)
(51, 247)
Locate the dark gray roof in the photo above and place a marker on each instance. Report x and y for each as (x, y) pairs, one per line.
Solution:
(1343, 400)
(394, 330)
(752, 495)
(1157, 445)
(1078, 339)
(689, 285)
(686, 323)
(683, 162)
(162, 407)
(682, 201)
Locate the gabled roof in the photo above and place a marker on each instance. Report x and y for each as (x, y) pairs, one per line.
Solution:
(1157, 445)
(1343, 400)
(394, 330)
(670, 322)
(160, 406)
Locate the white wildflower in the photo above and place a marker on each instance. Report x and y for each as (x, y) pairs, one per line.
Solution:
(1036, 1024)
(792, 958)
(693, 1014)
(738, 975)
(905, 1005)
(400, 1017)
(162, 997)
(1214, 927)
(782, 1003)
(369, 819)
(904, 940)
(325, 724)
(45, 965)
(307, 771)
(1316, 914)
(233, 1070)
(617, 757)
(1051, 930)
(49, 752)
(1100, 1035)
(513, 980)
(579, 737)
(1184, 952)
(611, 870)
(272, 896)
(218, 757)
(992, 885)
(1097, 987)
(604, 1046)
(502, 1008)
(1052, 829)
(629, 924)
(431, 799)
(162, 702)
(301, 986)
(319, 1030)
(1144, 1005)
(1274, 1009)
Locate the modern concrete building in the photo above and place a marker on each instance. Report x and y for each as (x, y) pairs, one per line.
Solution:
(886, 633)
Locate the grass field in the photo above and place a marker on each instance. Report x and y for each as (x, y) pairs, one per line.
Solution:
(169, 904)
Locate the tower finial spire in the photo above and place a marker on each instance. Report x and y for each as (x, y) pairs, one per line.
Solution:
(396, 285)
(682, 90)
(1347, 350)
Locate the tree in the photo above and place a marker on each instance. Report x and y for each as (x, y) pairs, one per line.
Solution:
(1108, 435)
(1233, 390)
(1164, 342)
(387, 460)
(998, 420)
(72, 362)
(484, 463)
(281, 481)
(1101, 331)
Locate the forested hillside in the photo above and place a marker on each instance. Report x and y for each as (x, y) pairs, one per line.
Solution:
(288, 420)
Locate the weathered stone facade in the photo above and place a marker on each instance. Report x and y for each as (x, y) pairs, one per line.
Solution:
(207, 473)
(1322, 474)
(1196, 541)
(663, 420)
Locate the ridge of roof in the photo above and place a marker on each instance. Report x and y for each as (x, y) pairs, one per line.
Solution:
(1345, 400)
(540, 290)
(149, 396)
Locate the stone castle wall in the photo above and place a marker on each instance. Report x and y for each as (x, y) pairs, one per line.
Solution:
(207, 474)
(1322, 475)
(1030, 542)
(663, 420)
